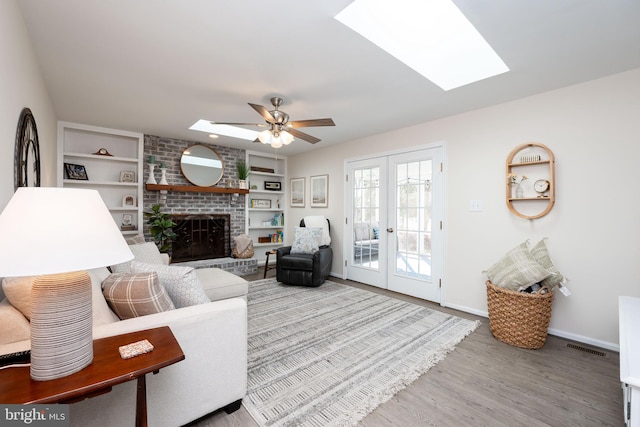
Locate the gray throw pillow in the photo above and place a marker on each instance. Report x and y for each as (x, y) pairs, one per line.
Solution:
(517, 269)
(541, 255)
(181, 283)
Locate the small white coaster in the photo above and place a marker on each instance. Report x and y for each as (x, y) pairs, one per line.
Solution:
(135, 349)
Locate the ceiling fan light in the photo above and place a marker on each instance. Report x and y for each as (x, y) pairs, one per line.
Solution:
(276, 141)
(265, 136)
(286, 137)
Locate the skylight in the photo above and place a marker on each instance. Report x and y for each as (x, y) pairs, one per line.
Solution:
(431, 36)
(233, 131)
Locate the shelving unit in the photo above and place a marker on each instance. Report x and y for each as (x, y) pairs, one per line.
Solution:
(264, 206)
(77, 144)
(536, 162)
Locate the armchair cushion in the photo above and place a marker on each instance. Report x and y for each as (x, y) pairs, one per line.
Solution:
(306, 240)
(303, 262)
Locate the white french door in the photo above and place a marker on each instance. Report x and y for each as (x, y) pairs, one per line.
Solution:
(395, 209)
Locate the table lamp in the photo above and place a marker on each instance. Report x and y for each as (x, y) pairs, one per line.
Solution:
(55, 234)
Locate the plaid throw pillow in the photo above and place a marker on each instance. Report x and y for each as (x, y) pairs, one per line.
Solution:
(134, 295)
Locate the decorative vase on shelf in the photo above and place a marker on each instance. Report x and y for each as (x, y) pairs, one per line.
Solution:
(519, 192)
(152, 178)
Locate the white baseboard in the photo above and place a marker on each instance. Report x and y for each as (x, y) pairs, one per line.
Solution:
(585, 340)
(552, 331)
(467, 310)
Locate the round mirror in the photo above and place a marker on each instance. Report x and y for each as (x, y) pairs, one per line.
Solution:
(201, 165)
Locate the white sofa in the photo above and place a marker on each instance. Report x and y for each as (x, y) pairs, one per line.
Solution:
(213, 375)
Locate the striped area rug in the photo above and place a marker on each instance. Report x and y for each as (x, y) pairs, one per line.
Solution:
(330, 355)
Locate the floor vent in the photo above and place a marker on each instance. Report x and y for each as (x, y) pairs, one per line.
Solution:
(587, 350)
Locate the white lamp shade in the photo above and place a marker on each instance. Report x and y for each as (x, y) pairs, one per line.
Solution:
(47, 230)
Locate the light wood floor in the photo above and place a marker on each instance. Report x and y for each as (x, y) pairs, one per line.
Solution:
(485, 382)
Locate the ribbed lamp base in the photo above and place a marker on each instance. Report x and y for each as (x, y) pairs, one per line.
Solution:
(61, 325)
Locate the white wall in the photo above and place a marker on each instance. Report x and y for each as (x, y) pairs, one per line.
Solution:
(593, 129)
(22, 85)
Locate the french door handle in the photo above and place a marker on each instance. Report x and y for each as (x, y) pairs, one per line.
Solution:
(389, 230)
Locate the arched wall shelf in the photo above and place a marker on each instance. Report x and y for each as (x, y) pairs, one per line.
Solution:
(536, 161)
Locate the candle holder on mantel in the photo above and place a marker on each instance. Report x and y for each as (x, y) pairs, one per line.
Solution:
(163, 178)
(152, 178)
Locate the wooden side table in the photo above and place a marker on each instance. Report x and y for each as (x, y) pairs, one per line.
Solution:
(106, 370)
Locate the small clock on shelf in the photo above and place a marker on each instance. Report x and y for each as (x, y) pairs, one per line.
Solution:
(541, 186)
(103, 152)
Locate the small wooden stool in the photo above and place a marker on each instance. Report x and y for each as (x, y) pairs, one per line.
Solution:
(266, 263)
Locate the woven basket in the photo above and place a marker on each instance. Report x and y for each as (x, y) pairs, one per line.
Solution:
(247, 253)
(518, 318)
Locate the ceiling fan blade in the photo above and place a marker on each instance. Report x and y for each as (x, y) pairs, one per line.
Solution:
(302, 135)
(238, 124)
(263, 112)
(311, 123)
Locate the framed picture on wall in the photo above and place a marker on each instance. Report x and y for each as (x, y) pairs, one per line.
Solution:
(297, 193)
(319, 191)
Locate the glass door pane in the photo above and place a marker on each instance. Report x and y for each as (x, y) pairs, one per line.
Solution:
(413, 219)
(366, 217)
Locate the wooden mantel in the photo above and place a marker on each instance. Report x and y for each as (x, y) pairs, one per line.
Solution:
(195, 189)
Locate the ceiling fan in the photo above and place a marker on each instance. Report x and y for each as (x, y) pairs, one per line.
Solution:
(281, 131)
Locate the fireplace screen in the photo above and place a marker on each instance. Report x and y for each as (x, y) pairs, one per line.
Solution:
(201, 237)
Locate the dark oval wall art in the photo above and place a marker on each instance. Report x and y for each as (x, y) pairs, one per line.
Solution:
(27, 152)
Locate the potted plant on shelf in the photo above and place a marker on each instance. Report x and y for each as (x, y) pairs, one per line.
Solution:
(243, 174)
(161, 228)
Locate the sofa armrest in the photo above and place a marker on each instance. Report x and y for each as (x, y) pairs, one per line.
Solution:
(165, 258)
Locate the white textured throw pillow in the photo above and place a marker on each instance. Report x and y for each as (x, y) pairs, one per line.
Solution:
(181, 283)
(145, 252)
(306, 240)
(321, 222)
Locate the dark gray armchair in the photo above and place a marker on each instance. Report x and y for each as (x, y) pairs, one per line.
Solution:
(304, 269)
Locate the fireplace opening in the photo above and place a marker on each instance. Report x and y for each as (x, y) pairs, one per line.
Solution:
(205, 236)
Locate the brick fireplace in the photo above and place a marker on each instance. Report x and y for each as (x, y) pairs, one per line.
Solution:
(202, 205)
